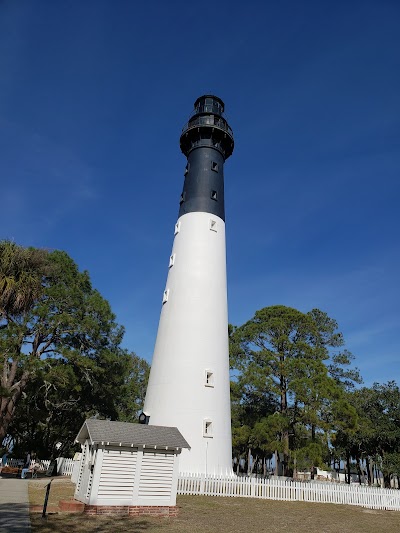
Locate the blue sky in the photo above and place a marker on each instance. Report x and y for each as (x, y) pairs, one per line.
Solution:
(93, 95)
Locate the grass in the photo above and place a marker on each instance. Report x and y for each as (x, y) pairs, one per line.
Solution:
(61, 489)
(202, 514)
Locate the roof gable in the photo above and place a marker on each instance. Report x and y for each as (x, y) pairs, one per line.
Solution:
(129, 434)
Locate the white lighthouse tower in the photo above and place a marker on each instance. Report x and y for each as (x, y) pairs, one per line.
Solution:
(189, 378)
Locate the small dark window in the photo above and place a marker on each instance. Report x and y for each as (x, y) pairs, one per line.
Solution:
(214, 166)
(207, 428)
(183, 197)
(209, 379)
(214, 195)
(165, 296)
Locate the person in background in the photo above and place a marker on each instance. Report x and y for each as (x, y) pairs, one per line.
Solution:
(34, 466)
(4, 460)
(26, 465)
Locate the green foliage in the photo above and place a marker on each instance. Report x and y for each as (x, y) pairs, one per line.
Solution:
(266, 433)
(59, 398)
(60, 346)
(308, 457)
(131, 399)
(376, 435)
(290, 381)
(390, 463)
(21, 274)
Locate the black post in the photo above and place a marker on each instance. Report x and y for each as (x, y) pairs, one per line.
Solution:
(46, 498)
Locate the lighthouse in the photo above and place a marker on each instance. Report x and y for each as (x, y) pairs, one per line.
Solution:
(189, 385)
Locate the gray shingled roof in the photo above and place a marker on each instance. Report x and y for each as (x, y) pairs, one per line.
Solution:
(126, 433)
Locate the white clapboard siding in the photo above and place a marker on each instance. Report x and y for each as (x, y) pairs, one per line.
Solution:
(117, 474)
(156, 475)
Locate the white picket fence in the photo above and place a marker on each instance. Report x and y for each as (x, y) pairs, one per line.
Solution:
(276, 489)
(64, 465)
(268, 489)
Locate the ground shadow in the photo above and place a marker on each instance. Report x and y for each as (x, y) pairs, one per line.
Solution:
(14, 517)
(104, 524)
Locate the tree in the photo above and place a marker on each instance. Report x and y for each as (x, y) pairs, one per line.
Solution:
(339, 363)
(58, 400)
(131, 399)
(248, 407)
(53, 323)
(285, 353)
(249, 404)
(21, 275)
(376, 436)
(22, 271)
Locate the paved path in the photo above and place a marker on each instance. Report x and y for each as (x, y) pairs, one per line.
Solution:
(14, 507)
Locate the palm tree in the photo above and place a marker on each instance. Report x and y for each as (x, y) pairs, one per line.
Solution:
(22, 275)
(21, 278)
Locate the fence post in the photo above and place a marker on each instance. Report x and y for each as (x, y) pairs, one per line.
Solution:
(252, 487)
(202, 484)
(46, 498)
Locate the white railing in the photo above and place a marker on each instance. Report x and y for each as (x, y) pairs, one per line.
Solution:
(64, 465)
(276, 489)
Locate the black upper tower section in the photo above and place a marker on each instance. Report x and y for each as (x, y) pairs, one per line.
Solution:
(206, 141)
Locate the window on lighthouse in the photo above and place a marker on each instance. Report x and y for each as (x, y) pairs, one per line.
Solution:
(209, 378)
(213, 225)
(207, 428)
(165, 296)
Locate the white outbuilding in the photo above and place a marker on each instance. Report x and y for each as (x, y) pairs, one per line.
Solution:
(128, 465)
